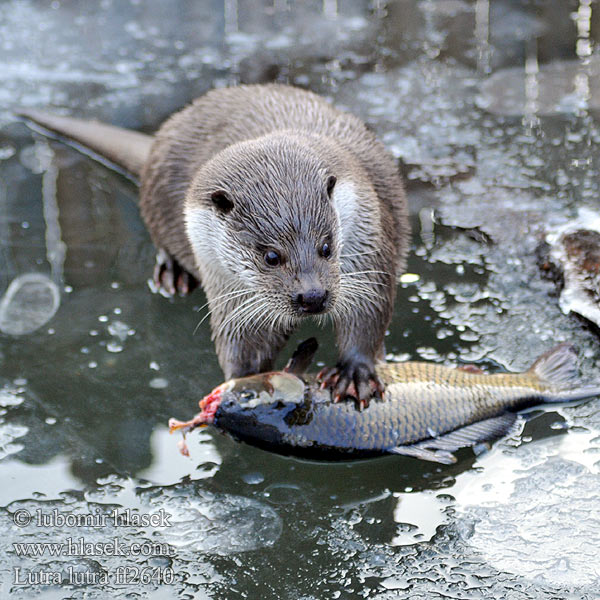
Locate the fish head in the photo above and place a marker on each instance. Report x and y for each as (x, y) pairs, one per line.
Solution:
(239, 402)
(246, 395)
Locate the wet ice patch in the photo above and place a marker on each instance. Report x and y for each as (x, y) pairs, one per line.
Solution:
(423, 113)
(158, 383)
(418, 516)
(168, 466)
(558, 87)
(30, 301)
(182, 523)
(37, 157)
(219, 523)
(199, 520)
(10, 396)
(534, 514)
(8, 434)
(120, 330)
(49, 479)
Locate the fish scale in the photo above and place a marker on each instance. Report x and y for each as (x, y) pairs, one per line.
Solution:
(420, 399)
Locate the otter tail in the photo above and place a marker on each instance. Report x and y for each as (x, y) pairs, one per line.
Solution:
(122, 147)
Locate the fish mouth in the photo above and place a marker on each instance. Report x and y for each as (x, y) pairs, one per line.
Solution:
(208, 407)
(210, 403)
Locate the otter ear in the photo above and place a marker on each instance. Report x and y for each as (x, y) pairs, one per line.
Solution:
(222, 201)
(331, 180)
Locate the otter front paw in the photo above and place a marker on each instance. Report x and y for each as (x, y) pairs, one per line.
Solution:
(352, 379)
(170, 277)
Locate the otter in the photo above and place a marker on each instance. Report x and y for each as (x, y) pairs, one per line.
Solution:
(282, 207)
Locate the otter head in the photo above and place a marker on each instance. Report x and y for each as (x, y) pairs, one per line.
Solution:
(262, 211)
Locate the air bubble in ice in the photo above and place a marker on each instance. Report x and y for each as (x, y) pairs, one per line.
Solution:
(30, 301)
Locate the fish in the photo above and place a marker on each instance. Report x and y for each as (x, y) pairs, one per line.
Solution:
(428, 411)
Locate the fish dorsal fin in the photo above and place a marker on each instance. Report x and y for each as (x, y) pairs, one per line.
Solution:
(558, 366)
(440, 449)
(302, 357)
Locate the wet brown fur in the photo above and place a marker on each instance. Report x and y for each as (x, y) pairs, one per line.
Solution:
(271, 148)
(215, 143)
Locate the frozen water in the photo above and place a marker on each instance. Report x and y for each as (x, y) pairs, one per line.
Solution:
(8, 434)
(558, 87)
(491, 110)
(29, 302)
(10, 397)
(219, 524)
(422, 114)
(535, 513)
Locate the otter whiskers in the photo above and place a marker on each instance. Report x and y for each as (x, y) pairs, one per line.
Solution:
(238, 311)
(352, 285)
(374, 251)
(219, 301)
(276, 320)
(252, 316)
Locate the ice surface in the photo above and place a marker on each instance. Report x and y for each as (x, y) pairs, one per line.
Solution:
(491, 110)
(220, 524)
(29, 302)
(558, 87)
(545, 527)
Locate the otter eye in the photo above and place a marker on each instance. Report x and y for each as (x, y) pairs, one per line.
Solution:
(331, 180)
(273, 258)
(222, 201)
(325, 250)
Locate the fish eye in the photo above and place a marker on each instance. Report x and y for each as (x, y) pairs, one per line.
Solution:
(325, 250)
(273, 258)
(248, 395)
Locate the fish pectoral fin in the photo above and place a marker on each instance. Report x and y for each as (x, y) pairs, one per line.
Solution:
(422, 453)
(440, 449)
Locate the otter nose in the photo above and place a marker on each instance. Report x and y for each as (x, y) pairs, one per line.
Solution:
(312, 301)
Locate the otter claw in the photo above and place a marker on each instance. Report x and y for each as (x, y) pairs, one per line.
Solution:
(343, 389)
(328, 376)
(170, 277)
(357, 383)
(378, 388)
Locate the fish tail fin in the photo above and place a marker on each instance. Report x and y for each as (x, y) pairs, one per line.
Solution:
(559, 369)
(124, 148)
